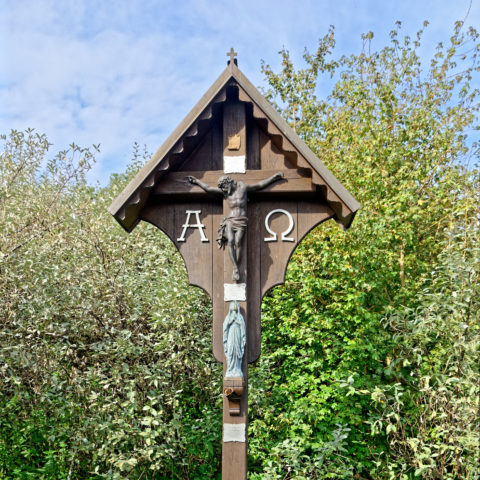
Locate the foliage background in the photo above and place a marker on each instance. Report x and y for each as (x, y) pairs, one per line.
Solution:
(369, 366)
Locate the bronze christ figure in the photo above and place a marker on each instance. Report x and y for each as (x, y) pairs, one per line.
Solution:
(234, 225)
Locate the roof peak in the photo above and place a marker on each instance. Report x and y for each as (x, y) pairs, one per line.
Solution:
(232, 54)
(133, 197)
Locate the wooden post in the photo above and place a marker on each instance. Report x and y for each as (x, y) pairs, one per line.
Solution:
(234, 435)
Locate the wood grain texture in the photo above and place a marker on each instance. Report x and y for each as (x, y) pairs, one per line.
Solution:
(175, 183)
(217, 145)
(253, 286)
(276, 255)
(218, 308)
(196, 254)
(201, 157)
(234, 454)
(271, 157)
(234, 124)
(253, 145)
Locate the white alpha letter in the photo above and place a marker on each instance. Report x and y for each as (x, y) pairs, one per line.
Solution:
(198, 225)
(284, 237)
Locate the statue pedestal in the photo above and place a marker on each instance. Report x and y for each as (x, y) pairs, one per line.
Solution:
(233, 388)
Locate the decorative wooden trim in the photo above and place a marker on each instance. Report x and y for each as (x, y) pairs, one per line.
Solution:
(126, 207)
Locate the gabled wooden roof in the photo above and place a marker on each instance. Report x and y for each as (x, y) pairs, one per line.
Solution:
(126, 207)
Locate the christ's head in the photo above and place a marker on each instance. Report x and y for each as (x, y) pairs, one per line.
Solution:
(226, 184)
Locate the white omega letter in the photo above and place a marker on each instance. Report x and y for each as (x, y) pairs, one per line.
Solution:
(284, 237)
(198, 225)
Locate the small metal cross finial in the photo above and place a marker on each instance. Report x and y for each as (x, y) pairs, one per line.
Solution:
(232, 54)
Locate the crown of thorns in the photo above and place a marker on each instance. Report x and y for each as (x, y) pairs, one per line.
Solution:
(224, 181)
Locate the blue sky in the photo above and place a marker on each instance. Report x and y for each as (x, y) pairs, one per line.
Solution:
(116, 72)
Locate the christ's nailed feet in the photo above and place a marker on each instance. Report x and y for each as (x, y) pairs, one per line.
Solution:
(235, 275)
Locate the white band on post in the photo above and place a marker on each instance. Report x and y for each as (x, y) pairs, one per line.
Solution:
(234, 432)
(234, 164)
(235, 291)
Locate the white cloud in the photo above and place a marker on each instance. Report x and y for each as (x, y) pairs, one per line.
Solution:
(115, 72)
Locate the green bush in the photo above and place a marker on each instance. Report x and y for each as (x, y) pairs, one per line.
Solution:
(332, 397)
(106, 365)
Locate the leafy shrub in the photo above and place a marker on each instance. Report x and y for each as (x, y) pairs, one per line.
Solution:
(107, 369)
(331, 370)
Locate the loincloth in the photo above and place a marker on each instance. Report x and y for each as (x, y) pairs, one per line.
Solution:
(237, 224)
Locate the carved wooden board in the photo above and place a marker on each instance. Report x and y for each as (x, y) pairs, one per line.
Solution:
(233, 130)
(267, 258)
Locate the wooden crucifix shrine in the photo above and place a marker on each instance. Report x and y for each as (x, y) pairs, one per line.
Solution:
(236, 190)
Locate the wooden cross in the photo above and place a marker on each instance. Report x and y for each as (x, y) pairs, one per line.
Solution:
(278, 217)
(234, 138)
(232, 54)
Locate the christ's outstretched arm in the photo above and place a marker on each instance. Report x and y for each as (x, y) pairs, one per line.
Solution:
(265, 183)
(204, 186)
